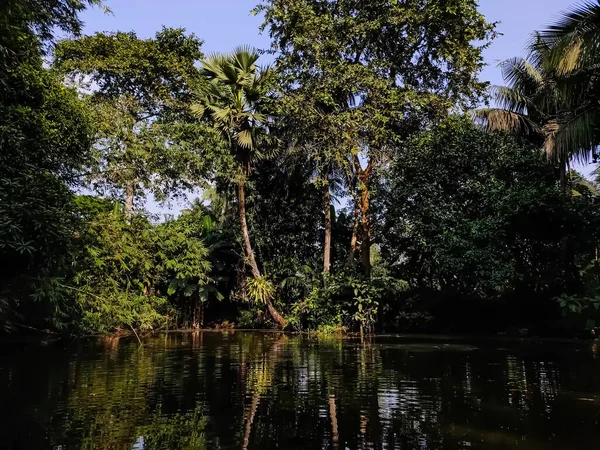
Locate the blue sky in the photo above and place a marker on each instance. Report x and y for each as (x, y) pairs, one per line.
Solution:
(224, 24)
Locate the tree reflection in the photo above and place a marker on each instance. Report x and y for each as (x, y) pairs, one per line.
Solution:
(270, 390)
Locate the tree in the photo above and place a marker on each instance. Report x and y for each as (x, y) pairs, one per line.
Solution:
(574, 39)
(309, 139)
(535, 105)
(140, 90)
(45, 138)
(366, 72)
(234, 99)
(475, 219)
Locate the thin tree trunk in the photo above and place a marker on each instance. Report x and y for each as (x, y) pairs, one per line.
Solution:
(327, 206)
(277, 317)
(198, 313)
(245, 233)
(366, 232)
(567, 254)
(129, 194)
(354, 239)
(564, 180)
(364, 178)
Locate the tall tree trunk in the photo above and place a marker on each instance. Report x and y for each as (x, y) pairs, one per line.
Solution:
(129, 194)
(244, 225)
(354, 238)
(567, 251)
(565, 175)
(365, 243)
(327, 206)
(364, 178)
(277, 317)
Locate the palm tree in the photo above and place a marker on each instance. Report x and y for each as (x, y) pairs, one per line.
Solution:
(575, 39)
(233, 98)
(535, 104)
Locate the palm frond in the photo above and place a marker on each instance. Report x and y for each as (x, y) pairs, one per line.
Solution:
(521, 75)
(198, 110)
(575, 37)
(244, 139)
(220, 114)
(212, 67)
(244, 58)
(495, 119)
(578, 136)
(510, 99)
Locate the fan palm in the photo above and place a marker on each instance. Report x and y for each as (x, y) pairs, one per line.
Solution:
(233, 99)
(535, 105)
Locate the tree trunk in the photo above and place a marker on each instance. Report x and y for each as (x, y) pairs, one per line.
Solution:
(129, 194)
(245, 233)
(365, 251)
(198, 312)
(564, 175)
(354, 239)
(364, 178)
(327, 206)
(277, 317)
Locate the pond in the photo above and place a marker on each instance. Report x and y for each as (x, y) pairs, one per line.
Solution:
(252, 390)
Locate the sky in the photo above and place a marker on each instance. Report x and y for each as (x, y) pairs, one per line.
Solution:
(225, 24)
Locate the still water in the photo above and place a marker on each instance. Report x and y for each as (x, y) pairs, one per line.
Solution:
(246, 390)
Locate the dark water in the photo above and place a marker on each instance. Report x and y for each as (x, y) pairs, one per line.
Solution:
(268, 390)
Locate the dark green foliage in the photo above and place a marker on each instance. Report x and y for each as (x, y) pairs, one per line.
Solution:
(286, 215)
(472, 216)
(45, 137)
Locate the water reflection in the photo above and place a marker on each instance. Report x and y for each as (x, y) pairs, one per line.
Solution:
(269, 390)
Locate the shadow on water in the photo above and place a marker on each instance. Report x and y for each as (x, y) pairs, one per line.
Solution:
(252, 390)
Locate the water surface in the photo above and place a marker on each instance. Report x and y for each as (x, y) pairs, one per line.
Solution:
(246, 390)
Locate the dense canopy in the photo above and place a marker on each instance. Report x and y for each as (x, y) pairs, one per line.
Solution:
(358, 184)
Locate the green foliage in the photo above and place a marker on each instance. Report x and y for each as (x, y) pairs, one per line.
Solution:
(133, 275)
(139, 91)
(478, 216)
(260, 289)
(579, 305)
(359, 156)
(285, 215)
(113, 277)
(345, 301)
(357, 78)
(45, 137)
